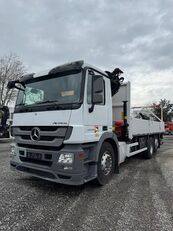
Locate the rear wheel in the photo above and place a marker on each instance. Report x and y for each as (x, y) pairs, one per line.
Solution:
(106, 164)
(150, 149)
(156, 144)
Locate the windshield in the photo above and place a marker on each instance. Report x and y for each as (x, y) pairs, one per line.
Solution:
(64, 89)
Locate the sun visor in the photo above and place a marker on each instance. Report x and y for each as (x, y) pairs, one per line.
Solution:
(67, 67)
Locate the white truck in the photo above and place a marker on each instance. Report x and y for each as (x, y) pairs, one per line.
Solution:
(73, 124)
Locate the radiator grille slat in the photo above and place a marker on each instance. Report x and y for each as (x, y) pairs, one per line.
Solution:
(49, 136)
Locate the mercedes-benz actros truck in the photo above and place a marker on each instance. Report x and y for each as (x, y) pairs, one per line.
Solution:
(73, 124)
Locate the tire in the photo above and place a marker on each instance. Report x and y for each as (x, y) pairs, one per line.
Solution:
(150, 149)
(106, 164)
(156, 144)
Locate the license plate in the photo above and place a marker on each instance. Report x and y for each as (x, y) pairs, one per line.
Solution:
(35, 156)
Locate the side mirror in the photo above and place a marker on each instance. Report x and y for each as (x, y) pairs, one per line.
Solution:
(12, 84)
(98, 87)
(97, 91)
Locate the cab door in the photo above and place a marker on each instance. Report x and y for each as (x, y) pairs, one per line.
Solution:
(96, 117)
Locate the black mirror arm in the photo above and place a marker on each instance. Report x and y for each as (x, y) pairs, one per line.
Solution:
(91, 109)
(20, 88)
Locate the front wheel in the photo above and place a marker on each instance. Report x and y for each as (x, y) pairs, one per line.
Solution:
(106, 164)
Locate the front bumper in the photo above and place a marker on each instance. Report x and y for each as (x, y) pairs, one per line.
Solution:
(58, 177)
(78, 173)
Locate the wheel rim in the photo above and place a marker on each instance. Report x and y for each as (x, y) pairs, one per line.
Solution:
(156, 143)
(106, 163)
(151, 149)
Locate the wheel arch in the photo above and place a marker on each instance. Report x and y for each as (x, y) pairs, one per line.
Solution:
(111, 138)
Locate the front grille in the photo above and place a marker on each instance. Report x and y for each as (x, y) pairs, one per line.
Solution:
(48, 156)
(40, 147)
(42, 128)
(25, 137)
(40, 162)
(49, 137)
(42, 138)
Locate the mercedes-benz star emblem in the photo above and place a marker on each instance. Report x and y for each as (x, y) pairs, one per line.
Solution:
(35, 134)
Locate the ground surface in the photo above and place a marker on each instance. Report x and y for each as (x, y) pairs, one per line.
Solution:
(139, 198)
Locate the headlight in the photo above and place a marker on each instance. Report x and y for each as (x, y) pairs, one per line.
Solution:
(66, 158)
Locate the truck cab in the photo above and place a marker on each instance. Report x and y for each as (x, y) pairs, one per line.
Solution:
(63, 125)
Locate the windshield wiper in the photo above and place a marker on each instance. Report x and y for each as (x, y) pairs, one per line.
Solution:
(43, 102)
(49, 105)
(20, 104)
(47, 101)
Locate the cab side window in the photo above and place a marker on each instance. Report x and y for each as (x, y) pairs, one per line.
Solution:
(89, 89)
